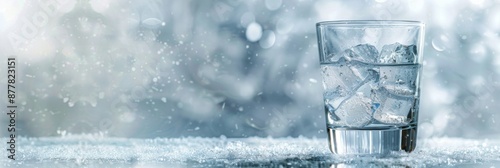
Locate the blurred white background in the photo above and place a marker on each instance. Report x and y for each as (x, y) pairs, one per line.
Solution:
(166, 68)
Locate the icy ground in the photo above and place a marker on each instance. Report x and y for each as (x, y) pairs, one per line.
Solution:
(91, 151)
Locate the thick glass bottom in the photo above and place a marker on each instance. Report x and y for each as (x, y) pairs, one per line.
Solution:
(373, 142)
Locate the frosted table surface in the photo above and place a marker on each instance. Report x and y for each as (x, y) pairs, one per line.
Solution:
(91, 151)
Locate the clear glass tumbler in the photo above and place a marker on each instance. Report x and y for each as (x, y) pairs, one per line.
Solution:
(371, 73)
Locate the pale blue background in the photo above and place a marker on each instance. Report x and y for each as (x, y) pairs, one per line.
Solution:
(237, 68)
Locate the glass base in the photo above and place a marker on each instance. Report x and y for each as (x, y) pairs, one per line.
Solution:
(373, 142)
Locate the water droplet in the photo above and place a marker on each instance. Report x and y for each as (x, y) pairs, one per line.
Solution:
(268, 39)
(152, 22)
(253, 32)
(240, 109)
(164, 100)
(273, 4)
(93, 103)
(440, 43)
(71, 104)
(313, 80)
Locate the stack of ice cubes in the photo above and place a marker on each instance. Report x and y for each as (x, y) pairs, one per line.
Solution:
(363, 86)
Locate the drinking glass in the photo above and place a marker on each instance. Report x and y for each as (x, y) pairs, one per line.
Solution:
(371, 75)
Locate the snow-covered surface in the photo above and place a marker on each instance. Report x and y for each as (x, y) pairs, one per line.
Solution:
(91, 151)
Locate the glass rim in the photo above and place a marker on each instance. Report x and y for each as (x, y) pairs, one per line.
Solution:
(354, 23)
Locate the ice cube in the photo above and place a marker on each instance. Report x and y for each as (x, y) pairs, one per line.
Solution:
(362, 52)
(332, 58)
(400, 90)
(343, 79)
(370, 83)
(338, 74)
(392, 109)
(339, 82)
(331, 111)
(355, 111)
(362, 70)
(397, 53)
(334, 98)
(331, 117)
(400, 80)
